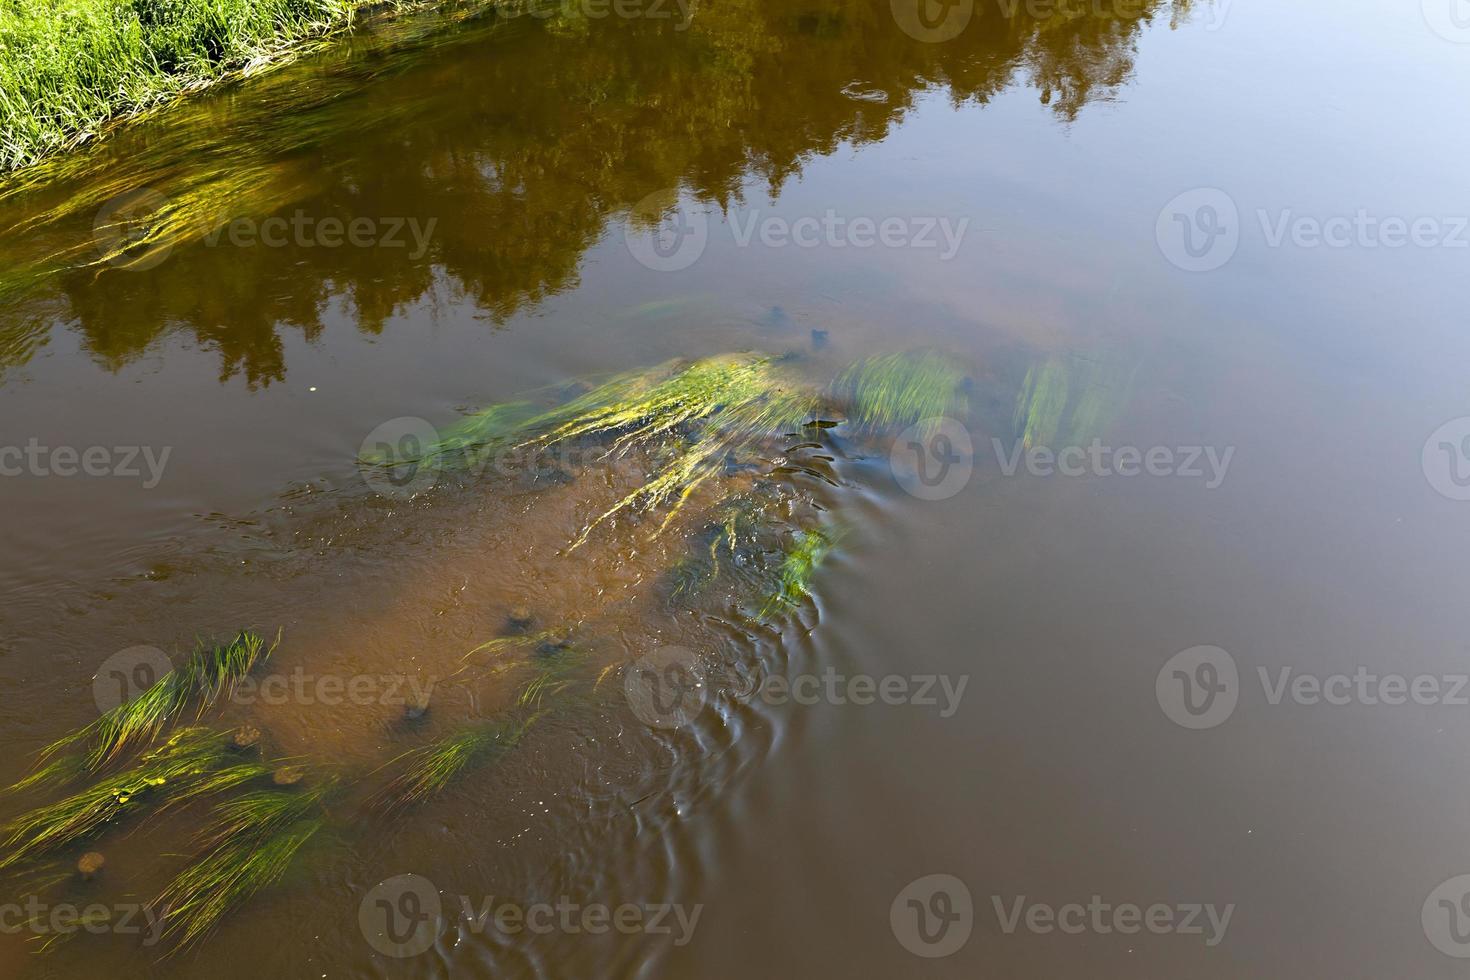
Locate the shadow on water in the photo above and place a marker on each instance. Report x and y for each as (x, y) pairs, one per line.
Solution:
(492, 150)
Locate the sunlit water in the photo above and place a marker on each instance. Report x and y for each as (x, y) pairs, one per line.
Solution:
(1028, 171)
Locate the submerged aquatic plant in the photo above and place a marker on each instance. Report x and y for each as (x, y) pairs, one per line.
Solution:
(503, 644)
(194, 762)
(891, 391)
(210, 673)
(736, 522)
(1041, 403)
(717, 406)
(430, 768)
(686, 419)
(1070, 399)
(808, 549)
(250, 845)
(551, 665)
(689, 420)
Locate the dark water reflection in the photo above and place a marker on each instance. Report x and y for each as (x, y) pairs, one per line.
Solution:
(515, 140)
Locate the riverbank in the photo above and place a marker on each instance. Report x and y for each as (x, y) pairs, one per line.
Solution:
(71, 68)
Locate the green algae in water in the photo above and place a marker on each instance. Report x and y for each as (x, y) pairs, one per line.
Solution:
(427, 770)
(251, 844)
(209, 675)
(892, 391)
(193, 763)
(799, 565)
(687, 419)
(1073, 399)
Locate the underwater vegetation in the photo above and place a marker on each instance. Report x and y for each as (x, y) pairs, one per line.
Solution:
(690, 420)
(249, 846)
(1073, 399)
(427, 770)
(194, 762)
(209, 675)
(749, 428)
(799, 564)
(894, 390)
(730, 535)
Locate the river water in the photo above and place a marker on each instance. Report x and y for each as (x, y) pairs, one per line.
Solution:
(1146, 663)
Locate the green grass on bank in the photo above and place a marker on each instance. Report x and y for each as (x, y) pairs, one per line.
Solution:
(69, 66)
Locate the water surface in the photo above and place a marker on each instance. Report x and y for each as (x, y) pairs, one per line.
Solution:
(537, 156)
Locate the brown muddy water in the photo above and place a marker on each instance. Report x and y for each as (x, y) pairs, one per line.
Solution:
(1176, 692)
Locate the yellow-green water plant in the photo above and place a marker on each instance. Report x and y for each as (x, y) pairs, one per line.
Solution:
(211, 673)
(194, 762)
(803, 555)
(686, 418)
(136, 228)
(250, 844)
(427, 770)
(1070, 400)
(689, 423)
(889, 392)
(551, 666)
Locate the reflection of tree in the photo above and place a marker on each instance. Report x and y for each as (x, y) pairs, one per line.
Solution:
(521, 151)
